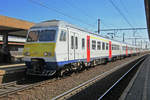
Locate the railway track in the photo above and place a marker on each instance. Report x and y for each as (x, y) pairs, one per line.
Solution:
(73, 93)
(7, 89)
(108, 92)
(13, 87)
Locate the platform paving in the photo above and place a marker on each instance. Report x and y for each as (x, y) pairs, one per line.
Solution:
(11, 72)
(11, 65)
(140, 85)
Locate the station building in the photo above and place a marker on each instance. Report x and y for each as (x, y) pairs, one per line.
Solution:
(15, 45)
(12, 37)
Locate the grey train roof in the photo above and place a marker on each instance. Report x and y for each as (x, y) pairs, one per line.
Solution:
(56, 23)
(51, 23)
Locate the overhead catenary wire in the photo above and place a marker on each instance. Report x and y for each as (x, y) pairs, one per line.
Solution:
(127, 11)
(121, 13)
(71, 4)
(93, 26)
(124, 29)
(79, 9)
(61, 13)
(85, 13)
(77, 19)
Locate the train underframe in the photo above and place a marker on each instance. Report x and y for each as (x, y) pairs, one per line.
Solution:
(39, 66)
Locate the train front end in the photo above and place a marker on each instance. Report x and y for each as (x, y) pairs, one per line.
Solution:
(39, 51)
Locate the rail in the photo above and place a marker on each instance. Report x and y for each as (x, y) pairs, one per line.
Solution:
(12, 87)
(82, 86)
(117, 82)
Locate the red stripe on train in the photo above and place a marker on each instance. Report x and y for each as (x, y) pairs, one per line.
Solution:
(110, 51)
(88, 48)
(126, 50)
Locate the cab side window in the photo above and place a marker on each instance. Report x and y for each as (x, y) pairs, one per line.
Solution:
(83, 43)
(63, 35)
(93, 44)
(72, 42)
(103, 46)
(98, 45)
(76, 42)
(106, 46)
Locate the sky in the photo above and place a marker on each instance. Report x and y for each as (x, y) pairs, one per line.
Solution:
(82, 13)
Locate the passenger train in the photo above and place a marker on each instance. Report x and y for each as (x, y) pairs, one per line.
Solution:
(56, 46)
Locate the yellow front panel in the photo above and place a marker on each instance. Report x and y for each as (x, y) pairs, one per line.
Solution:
(38, 49)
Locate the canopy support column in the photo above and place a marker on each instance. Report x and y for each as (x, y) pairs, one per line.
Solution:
(5, 53)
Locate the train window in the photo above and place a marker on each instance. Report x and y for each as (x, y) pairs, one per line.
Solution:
(116, 47)
(76, 41)
(112, 47)
(47, 35)
(106, 46)
(33, 36)
(103, 46)
(98, 45)
(72, 42)
(63, 35)
(83, 43)
(93, 44)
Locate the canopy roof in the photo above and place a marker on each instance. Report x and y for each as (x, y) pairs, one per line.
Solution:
(13, 26)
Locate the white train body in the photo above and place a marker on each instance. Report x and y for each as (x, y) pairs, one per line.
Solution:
(68, 45)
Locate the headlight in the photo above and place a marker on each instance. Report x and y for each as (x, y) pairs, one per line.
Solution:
(47, 54)
(27, 54)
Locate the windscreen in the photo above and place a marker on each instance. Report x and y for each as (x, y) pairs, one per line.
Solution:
(42, 36)
(32, 36)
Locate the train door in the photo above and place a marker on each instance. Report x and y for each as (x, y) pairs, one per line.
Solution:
(74, 46)
(88, 48)
(110, 51)
(76, 49)
(71, 46)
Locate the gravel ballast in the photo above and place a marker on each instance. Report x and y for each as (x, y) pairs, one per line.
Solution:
(50, 90)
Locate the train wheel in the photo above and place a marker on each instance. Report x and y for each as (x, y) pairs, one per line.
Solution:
(80, 67)
(60, 73)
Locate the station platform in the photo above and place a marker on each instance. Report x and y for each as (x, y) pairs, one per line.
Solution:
(11, 72)
(139, 86)
(11, 65)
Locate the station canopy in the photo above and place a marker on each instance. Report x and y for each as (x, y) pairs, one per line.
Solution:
(13, 26)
